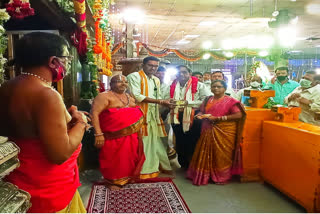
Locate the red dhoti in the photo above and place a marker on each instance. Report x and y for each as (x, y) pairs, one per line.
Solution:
(121, 158)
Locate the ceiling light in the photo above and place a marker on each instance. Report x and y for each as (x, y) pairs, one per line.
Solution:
(317, 70)
(287, 36)
(275, 13)
(227, 44)
(263, 53)
(206, 56)
(313, 8)
(183, 42)
(207, 44)
(191, 36)
(293, 0)
(229, 54)
(207, 23)
(296, 51)
(133, 15)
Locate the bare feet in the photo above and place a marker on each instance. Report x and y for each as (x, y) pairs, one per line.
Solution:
(113, 187)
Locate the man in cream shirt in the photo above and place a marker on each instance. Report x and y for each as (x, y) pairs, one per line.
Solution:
(307, 97)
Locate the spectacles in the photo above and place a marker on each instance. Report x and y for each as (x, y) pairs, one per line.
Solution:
(153, 66)
(66, 58)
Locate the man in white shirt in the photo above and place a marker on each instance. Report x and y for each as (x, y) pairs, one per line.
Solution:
(255, 83)
(145, 88)
(307, 97)
(187, 131)
(218, 75)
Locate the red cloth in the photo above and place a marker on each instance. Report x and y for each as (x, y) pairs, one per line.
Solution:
(51, 186)
(119, 157)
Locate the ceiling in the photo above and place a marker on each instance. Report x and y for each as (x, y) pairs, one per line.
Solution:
(168, 21)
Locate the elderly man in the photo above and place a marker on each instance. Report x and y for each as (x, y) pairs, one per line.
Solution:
(198, 75)
(218, 75)
(282, 85)
(307, 96)
(190, 92)
(145, 88)
(121, 155)
(255, 84)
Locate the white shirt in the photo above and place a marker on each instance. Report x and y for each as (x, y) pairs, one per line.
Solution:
(199, 96)
(230, 92)
(307, 114)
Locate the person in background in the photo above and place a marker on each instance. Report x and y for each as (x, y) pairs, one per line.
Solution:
(207, 79)
(218, 75)
(34, 116)
(307, 97)
(145, 88)
(217, 156)
(255, 84)
(121, 156)
(282, 85)
(198, 75)
(164, 111)
(187, 89)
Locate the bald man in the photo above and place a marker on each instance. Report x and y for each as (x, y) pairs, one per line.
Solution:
(117, 120)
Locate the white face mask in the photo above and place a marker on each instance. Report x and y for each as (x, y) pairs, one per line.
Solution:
(255, 84)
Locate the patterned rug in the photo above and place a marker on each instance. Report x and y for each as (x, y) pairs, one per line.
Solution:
(159, 197)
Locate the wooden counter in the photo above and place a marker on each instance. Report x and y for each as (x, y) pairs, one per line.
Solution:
(290, 161)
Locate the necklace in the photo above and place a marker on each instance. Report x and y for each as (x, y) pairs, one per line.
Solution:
(41, 78)
(124, 103)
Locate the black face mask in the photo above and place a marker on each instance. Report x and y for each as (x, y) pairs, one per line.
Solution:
(281, 78)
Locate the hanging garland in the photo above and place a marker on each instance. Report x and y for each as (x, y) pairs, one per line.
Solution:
(19, 9)
(117, 48)
(79, 37)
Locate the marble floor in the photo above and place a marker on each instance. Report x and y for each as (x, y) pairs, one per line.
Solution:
(231, 198)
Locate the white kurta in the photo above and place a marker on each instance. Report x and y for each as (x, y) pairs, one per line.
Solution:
(154, 149)
(307, 114)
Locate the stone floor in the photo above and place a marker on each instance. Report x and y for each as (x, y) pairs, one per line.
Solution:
(230, 198)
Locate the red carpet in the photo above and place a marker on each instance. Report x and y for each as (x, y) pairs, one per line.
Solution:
(145, 197)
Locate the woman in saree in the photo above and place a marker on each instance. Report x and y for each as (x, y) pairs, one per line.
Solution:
(217, 155)
(117, 122)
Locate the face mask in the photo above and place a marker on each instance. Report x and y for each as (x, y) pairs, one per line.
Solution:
(255, 84)
(281, 78)
(59, 72)
(305, 83)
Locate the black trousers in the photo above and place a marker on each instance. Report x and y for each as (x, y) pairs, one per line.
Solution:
(186, 142)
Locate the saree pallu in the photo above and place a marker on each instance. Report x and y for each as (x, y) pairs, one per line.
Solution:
(51, 186)
(218, 151)
(121, 158)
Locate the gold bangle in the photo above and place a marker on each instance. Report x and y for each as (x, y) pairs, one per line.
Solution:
(100, 134)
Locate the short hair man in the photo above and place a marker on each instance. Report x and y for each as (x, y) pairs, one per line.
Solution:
(307, 97)
(218, 75)
(282, 85)
(191, 92)
(198, 75)
(145, 88)
(255, 84)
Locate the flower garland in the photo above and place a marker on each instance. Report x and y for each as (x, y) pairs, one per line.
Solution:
(4, 16)
(194, 84)
(79, 37)
(102, 47)
(19, 9)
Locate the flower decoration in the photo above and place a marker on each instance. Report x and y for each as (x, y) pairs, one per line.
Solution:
(19, 9)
